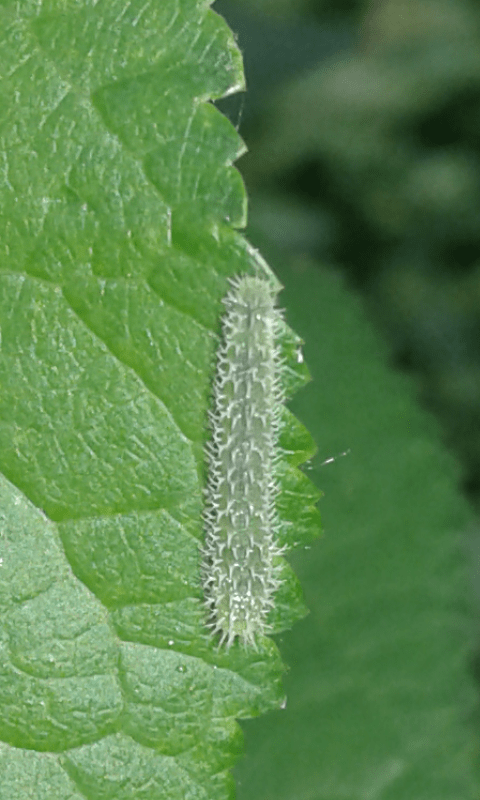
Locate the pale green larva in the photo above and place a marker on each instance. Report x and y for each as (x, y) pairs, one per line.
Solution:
(241, 556)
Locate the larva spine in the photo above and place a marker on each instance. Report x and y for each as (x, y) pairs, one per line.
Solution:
(240, 555)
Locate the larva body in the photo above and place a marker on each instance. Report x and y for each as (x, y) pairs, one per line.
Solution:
(241, 571)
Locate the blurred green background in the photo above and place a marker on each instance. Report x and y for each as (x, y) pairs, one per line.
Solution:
(362, 121)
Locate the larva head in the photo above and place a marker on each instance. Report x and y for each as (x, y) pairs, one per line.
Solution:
(251, 293)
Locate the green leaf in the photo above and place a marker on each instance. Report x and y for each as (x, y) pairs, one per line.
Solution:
(380, 703)
(118, 210)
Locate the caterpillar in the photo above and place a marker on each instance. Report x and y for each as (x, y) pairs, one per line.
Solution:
(241, 569)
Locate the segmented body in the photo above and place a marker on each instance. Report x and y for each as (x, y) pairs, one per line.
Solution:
(241, 557)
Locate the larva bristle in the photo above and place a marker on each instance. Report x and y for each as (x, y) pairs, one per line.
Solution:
(240, 556)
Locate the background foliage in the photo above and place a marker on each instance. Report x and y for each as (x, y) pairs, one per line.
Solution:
(380, 702)
(362, 122)
(362, 126)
